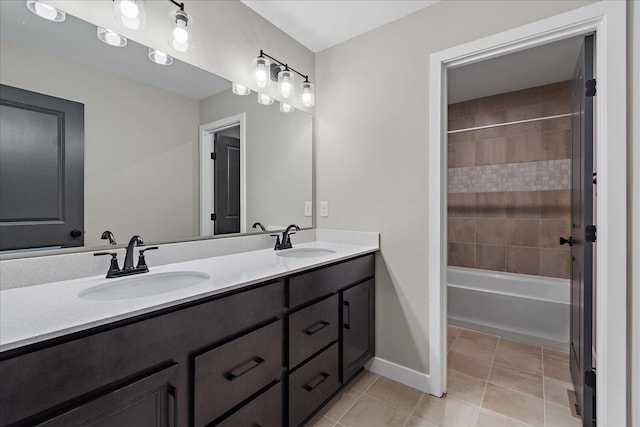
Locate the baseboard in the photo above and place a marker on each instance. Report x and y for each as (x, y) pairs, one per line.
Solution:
(399, 373)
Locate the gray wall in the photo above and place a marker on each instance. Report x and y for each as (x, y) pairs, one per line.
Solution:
(140, 175)
(278, 157)
(371, 152)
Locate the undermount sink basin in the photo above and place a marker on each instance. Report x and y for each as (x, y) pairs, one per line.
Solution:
(143, 285)
(305, 253)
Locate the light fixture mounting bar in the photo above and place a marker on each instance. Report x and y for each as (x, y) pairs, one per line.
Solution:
(306, 77)
(180, 5)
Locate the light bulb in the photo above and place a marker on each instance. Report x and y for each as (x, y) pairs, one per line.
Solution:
(286, 108)
(239, 89)
(261, 65)
(264, 99)
(45, 11)
(130, 13)
(159, 57)
(308, 96)
(112, 39)
(180, 34)
(285, 83)
(129, 9)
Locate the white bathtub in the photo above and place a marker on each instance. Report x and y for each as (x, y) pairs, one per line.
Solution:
(517, 306)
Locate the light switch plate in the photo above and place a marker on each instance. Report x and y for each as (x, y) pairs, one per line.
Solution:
(308, 209)
(324, 209)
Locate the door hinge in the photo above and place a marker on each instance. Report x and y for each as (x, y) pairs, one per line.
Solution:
(590, 87)
(595, 178)
(214, 156)
(590, 233)
(213, 217)
(590, 378)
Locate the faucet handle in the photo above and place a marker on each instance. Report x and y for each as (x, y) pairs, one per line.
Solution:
(278, 246)
(113, 266)
(142, 263)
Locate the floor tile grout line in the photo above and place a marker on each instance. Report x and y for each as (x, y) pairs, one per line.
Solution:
(352, 405)
(486, 382)
(414, 409)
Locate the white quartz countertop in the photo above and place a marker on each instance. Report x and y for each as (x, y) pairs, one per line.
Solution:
(36, 313)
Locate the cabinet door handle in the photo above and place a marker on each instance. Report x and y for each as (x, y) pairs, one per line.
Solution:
(171, 409)
(347, 316)
(240, 370)
(316, 327)
(316, 381)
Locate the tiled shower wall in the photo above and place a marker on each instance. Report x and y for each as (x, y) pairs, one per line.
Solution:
(509, 186)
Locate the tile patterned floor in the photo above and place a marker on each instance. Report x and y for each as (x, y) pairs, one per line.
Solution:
(491, 382)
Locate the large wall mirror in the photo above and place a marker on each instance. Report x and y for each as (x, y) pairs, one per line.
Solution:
(149, 132)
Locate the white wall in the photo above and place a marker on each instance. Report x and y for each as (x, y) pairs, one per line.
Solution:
(140, 174)
(371, 152)
(278, 157)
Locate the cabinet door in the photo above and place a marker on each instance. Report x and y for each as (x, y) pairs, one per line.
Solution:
(357, 327)
(148, 402)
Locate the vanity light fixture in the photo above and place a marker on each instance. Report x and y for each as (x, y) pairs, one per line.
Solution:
(45, 11)
(159, 57)
(264, 99)
(308, 94)
(238, 89)
(267, 66)
(130, 13)
(181, 25)
(286, 108)
(261, 65)
(112, 39)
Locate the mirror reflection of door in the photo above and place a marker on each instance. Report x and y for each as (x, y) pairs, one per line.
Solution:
(41, 170)
(226, 188)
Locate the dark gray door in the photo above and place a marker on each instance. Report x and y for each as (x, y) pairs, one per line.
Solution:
(583, 90)
(226, 192)
(41, 170)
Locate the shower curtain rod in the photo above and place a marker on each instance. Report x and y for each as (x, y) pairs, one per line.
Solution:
(510, 123)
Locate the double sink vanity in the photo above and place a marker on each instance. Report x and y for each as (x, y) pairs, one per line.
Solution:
(258, 338)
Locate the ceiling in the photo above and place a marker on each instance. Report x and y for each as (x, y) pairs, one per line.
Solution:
(320, 24)
(76, 40)
(533, 67)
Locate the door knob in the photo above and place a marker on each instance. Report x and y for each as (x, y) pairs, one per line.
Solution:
(76, 233)
(568, 241)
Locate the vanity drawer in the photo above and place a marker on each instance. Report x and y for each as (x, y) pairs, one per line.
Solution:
(264, 411)
(227, 375)
(311, 329)
(327, 280)
(312, 384)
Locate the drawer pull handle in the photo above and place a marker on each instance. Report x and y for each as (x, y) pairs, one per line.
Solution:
(316, 381)
(347, 316)
(239, 371)
(316, 327)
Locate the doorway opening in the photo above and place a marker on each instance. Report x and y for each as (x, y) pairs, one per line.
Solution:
(223, 177)
(610, 160)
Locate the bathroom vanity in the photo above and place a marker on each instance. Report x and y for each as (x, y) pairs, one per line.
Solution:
(264, 352)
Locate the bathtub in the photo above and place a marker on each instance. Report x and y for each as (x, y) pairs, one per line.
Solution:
(522, 307)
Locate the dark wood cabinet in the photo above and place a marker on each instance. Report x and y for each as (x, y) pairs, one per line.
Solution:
(357, 327)
(147, 402)
(270, 355)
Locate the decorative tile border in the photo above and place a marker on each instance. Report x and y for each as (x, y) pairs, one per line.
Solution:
(530, 176)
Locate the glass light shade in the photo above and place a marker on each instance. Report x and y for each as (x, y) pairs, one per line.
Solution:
(264, 99)
(181, 25)
(130, 13)
(45, 11)
(112, 39)
(262, 67)
(159, 57)
(286, 108)
(285, 83)
(308, 94)
(239, 89)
